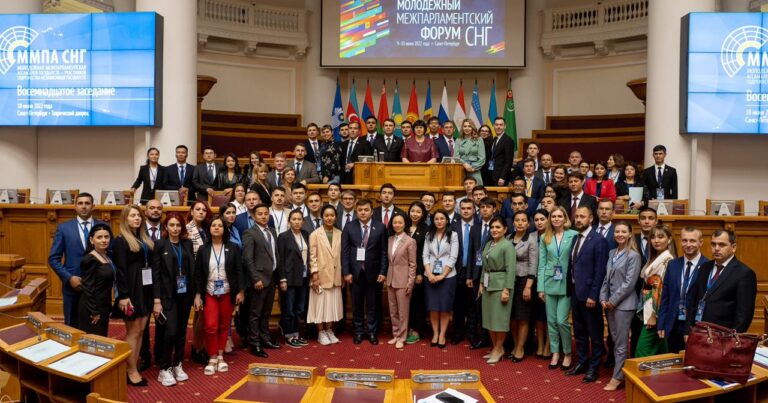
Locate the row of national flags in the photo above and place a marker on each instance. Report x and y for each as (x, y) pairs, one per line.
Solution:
(460, 111)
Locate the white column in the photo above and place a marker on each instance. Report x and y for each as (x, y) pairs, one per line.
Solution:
(319, 83)
(18, 145)
(179, 82)
(662, 111)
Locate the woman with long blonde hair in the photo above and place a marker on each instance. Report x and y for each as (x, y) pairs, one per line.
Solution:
(471, 149)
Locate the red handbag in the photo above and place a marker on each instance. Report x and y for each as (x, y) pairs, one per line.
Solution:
(717, 352)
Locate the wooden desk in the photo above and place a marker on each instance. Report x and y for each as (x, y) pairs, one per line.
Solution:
(30, 298)
(271, 382)
(12, 269)
(413, 175)
(424, 383)
(675, 386)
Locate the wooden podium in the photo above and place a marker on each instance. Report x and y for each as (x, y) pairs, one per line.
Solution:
(30, 298)
(425, 383)
(274, 383)
(409, 175)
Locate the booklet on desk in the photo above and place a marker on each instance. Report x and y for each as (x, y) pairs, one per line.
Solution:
(79, 364)
(42, 351)
(727, 385)
(448, 396)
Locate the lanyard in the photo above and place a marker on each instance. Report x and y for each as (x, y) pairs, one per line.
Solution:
(618, 256)
(280, 221)
(439, 241)
(179, 257)
(218, 258)
(153, 178)
(558, 245)
(146, 253)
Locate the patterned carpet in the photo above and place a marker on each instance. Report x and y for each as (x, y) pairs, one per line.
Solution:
(528, 381)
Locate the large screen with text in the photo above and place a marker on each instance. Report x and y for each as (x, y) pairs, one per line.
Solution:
(423, 33)
(81, 69)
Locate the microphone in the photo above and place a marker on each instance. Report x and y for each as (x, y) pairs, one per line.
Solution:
(35, 323)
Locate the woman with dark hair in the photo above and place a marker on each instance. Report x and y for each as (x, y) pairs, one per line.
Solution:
(632, 180)
(261, 186)
(419, 148)
(325, 303)
(98, 276)
(540, 221)
(652, 276)
(238, 198)
(149, 177)
(441, 249)
(293, 257)
(486, 133)
(228, 212)
(220, 284)
(527, 248)
(401, 273)
(198, 220)
(330, 155)
(599, 185)
(560, 181)
(229, 175)
(254, 160)
(416, 228)
(615, 164)
(173, 265)
(497, 285)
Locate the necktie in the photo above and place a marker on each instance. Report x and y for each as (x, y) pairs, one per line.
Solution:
(659, 177)
(546, 178)
(686, 281)
(314, 148)
(298, 168)
(365, 236)
(486, 234)
(717, 272)
(349, 218)
(317, 223)
(602, 230)
(85, 234)
(153, 233)
(645, 247)
(577, 246)
(268, 235)
(574, 206)
(389, 142)
(528, 187)
(349, 151)
(465, 249)
(181, 175)
(386, 218)
(279, 180)
(450, 146)
(210, 172)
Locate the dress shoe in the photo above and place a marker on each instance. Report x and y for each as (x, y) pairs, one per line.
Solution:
(577, 370)
(517, 359)
(259, 352)
(553, 366)
(590, 377)
(441, 346)
(373, 339)
(480, 344)
(142, 382)
(271, 344)
(456, 340)
(432, 344)
(358, 339)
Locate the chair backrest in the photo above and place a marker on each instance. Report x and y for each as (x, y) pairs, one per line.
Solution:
(672, 207)
(23, 196)
(67, 196)
(96, 398)
(122, 197)
(170, 198)
(736, 207)
(218, 198)
(680, 207)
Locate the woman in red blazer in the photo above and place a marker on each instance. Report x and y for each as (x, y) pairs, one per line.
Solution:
(599, 185)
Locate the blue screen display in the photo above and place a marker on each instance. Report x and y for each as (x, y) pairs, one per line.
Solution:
(725, 73)
(81, 69)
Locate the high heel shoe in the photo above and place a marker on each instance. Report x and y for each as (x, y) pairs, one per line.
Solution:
(142, 382)
(555, 365)
(432, 344)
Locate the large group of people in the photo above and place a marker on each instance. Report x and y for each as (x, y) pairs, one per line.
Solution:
(461, 267)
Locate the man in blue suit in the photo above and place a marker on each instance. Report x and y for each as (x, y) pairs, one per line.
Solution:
(465, 297)
(679, 282)
(514, 203)
(534, 186)
(604, 224)
(443, 142)
(364, 266)
(589, 257)
(479, 236)
(178, 176)
(69, 244)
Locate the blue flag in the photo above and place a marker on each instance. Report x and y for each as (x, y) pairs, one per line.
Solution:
(428, 103)
(337, 113)
(397, 112)
(492, 112)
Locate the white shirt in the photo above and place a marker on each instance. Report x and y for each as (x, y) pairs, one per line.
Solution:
(178, 170)
(303, 208)
(714, 268)
(386, 211)
(158, 235)
(302, 247)
(579, 196)
(217, 272)
(395, 243)
(280, 218)
(239, 207)
(264, 230)
(80, 221)
(344, 216)
(464, 228)
(153, 176)
(313, 218)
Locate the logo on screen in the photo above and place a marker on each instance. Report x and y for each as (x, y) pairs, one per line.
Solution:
(11, 39)
(742, 48)
(363, 23)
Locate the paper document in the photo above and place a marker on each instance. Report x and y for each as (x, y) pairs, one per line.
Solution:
(635, 194)
(79, 364)
(42, 351)
(8, 301)
(451, 392)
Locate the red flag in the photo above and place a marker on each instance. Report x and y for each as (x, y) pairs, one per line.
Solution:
(413, 106)
(368, 103)
(383, 108)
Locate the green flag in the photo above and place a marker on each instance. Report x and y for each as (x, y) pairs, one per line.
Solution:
(509, 117)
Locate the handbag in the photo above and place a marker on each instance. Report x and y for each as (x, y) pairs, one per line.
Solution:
(717, 352)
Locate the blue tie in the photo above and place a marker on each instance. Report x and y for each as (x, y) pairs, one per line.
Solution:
(85, 234)
(465, 261)
(181, 175)
(486, 233)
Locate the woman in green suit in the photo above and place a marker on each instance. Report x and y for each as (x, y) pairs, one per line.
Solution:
(471, 149)
(496, 286)
(554, 253)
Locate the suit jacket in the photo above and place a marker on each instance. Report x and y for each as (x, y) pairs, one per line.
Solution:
(458, 231)
(201, 182)
(233, 266)
(311, 157)
(585, 201)
(375, 251)
(668, 181)
(144, 180)
(620, 278)
(609, 235)
(607, 189)
(172, 181)
(272, 179)
(402, 263)
(588, 267)
(499, 263)
(442, 148)
(447, 253)
(67, 244)
(341, 216)
(290, 259)
(537, 188)
(325, 258)
(362, 147)
(378, 211)
(308, 172)
(643, 253)
(257, 257)
(309, 224)
(730, 302)
(670, 292)
(551, 255)
(165, 269)
(223, 182)
(393, 154)
(501, 155)
(527, 255)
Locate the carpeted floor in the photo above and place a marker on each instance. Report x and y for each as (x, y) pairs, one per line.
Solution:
(528, 381)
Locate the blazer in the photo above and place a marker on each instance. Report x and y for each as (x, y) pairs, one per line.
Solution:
(201, 182)
(447, 253)
(165, 270)
(263, 192)
(128, 266)
(622, 189)
(537, 188)
(375, 251)
(501, 155)
(668, 181)
(499, 265)
(441, 144)
(290, 260)
(607, 189)
(618, 287)
(257, 257)
(341, 216)
(362, 147)
(233, 267)
(311, 157)
(527, 255)
(551, 255)
(588, 267)
(144, 180)
(402, 263)
(97, 289)
(173, 181)
(223, 182)
(475, 251)
(67, 244)
(272, 179)
(325, 257)
(378, 211)
(309, 225)
(418, 236)
(458, 231)
(730, 302)
(609, 235)
(308, 172)
(395, 148)
(670, 292)
(585, 201)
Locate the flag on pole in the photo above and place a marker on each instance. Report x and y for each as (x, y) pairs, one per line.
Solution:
(413, 105)
(509, 117)
(428, 102)
(397, 112)
(368, 103)
(337, 113)
(442, 114)
(383, 107)
(475, 114)
(459, 113)
(352, 109)
(492, 112)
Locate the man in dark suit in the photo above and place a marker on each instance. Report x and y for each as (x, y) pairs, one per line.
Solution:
(604, 224)
(589, 257)
(314, 220)
(725, 291)
(306, 172)
(546, 169)
(679, 281)
(364, 266)
(444, 143)
(371, 131)
(480, 235)
(68, 248)
(532, 153)
(350, 150)
(577, 197)
(389, 144)
(345, 211)
(647, 219)
(275, 176)
(153, 228)
(464, 297)
(534, 186)
(514, 203)
(260, 260)
(502, 152)
(661, 178)
(312, 144)
(387, 209)
(204, 178)
(179, 175)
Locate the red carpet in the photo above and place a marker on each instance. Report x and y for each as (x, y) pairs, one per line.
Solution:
(529, 381)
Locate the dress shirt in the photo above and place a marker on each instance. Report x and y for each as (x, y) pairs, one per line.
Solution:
(714, 268)
(264, 231)
(83, 238)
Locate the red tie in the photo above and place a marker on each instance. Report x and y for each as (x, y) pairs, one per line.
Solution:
(450, 146)
(386, 218)
(574, 206)
(718, 270)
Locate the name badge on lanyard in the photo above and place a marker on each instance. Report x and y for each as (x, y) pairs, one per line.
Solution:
(181, 279)
(218, 285)
(558, 275)
(146, 271)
